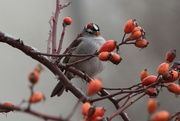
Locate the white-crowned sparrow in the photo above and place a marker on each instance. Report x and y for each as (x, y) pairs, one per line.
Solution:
(89, 43)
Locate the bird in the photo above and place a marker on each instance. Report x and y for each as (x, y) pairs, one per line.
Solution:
(88, 43)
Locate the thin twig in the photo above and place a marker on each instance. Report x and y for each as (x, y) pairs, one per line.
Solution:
(28, 50)
(32, 112)
(79, 61)
(61, 39)
(50, 34)
(123, 37)
(124, 91)
(125, 107)
(114, 94)
(175, 115)
(31, 87)
(125, 43)
(70, 46)
(129, 97)
(53, 26)
(63, 55)
(73, 110)
(128, 88)
(54, 32)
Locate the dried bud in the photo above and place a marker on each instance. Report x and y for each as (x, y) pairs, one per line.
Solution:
(38, 68)
(144, 74)
(170, 55)
(33, 77)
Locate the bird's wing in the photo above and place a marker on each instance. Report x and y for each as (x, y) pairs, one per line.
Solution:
(72, 48)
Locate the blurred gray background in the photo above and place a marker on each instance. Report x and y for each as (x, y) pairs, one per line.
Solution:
(28, 20)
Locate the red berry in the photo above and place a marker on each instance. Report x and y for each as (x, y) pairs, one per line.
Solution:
(36, 97)
(163, 68)
(144, 74)
(152, 105)
(104, 56)
(67, 20)
(115, 58)
(108, 46)
(136, 33)
(161, 116)
(95, 113)
(149, 80)
(100, 111)
(141, 43)
(170, 76)
(130, 25)
(174, 88)
(4, 110)
(151, 91)
(33, 77)
(170, 55)
(85, 107)
(94, 86)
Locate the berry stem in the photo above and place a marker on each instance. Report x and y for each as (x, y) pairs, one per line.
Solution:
(120, 110)
(54, 29)
(61, 39)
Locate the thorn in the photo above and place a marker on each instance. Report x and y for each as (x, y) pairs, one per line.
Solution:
(18, 40)
(22, 43)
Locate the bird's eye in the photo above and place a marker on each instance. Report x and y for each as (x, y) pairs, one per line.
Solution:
(90, 32)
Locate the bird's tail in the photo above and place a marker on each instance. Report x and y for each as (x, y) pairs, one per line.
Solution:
(58, 90)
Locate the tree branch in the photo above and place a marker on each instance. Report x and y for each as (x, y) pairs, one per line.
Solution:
(32, 112)
(28, 50)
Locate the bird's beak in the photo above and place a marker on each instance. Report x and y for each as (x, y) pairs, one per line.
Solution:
(97, 33)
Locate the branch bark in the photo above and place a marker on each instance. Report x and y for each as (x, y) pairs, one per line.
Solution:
(54, 68)
(28, 50)
(32, 112)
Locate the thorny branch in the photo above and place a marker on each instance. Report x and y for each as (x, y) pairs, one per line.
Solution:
(32, 112)
(53, 27)
(55, 68)
(30, 51)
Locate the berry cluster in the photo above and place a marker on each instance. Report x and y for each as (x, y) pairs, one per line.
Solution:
(166, 74)
(136, 32)
(33, 78)
(92, 113)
